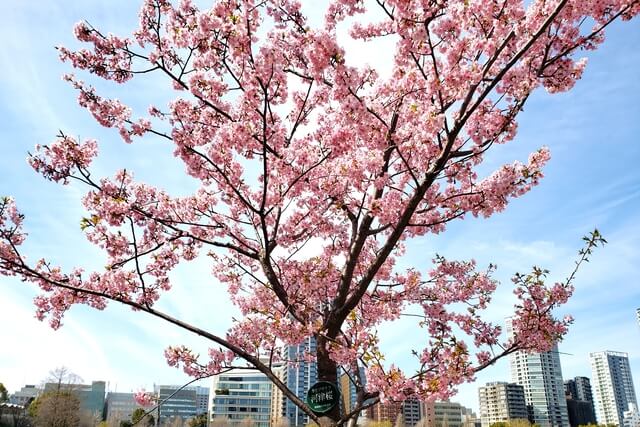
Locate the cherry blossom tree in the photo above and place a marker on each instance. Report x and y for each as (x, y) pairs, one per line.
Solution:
(314, 173)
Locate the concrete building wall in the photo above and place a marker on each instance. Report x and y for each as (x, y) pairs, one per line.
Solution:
(501, 401)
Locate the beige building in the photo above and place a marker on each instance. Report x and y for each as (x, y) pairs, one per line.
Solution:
(501, 401)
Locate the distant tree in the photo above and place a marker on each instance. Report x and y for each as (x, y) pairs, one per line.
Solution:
(219, 422)
(517, 422)
(89, 419)
(59, 408)
(63, 379)
(198, 421)
(138, 416)
(4, 394)
(174, 422)
(378, 424)
(247, 422)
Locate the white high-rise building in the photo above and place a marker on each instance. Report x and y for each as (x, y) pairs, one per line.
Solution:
(541, 376)
(612, 386)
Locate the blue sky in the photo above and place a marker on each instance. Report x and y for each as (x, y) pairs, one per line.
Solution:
(593, 180)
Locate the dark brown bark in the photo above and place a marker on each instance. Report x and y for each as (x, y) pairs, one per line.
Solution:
(327, 371)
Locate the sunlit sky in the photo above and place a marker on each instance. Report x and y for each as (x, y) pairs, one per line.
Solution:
(593, 180)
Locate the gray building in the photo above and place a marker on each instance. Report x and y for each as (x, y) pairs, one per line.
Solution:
(241, 394)
(91, 396)
(202, 399)
(541, 376)
(580, 401)
(25, 396)
(177, 402)
(501, 401)
(120, 406)
(579, 388)
(612, 386)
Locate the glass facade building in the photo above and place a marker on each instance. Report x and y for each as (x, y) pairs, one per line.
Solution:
(241, 394)
(177, 403)
(299, 375)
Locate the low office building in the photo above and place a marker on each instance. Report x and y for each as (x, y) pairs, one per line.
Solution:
(120, 407)
(25, 396)
(443, 414)
(177, 402)
(240, 395)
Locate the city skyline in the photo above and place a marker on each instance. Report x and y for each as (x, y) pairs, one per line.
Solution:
(542, 228)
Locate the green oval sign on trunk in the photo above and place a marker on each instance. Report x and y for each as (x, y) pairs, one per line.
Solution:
(322, 397)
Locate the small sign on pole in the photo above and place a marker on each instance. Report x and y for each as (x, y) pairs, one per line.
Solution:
(322, 397)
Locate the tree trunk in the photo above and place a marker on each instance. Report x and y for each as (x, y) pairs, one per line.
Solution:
(327, 371)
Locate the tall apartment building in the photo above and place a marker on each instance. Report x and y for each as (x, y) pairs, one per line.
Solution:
(411, 412)
(501, 401)
(612, 386)
(277, 414)
(241, 394)
(541, 376)
(299, 375)
(348, 395)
